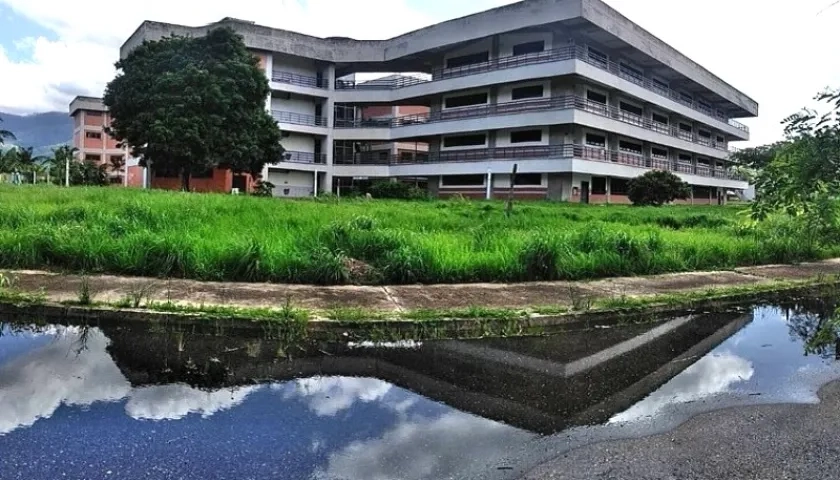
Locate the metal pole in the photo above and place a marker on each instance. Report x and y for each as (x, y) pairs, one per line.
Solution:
(315, 191)
(488, 194)
(67, 171)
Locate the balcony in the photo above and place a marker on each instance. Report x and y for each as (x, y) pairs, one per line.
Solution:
(292, 156)
(294, 118)
(566, 151)
(538, 104)
(578, 52)
(298, 80)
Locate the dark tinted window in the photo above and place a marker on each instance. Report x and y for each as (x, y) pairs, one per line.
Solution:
(523, 136)
(599, 185)
(462, 180)
(704, 134)
(659, 152)
(532, 91)
(685, 158)
(596, 140)
(618, 186)
(529, 179)
(466, 100)
(596, 97)
(465, 140)
(465, 60)
(630, 108)
(685, 127)
(530, 47)
(660, 118)
(629, 147)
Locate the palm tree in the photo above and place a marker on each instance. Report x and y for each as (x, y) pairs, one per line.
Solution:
(60, 161)
(5, 134)
(10, 161)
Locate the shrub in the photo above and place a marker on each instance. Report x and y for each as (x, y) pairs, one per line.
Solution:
(396, 190)
(263, 189)
(539, 258)
(657, 188)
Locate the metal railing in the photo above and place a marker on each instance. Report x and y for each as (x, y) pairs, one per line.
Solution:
(298, 79)
(299, 118)
(566, 151)
(303, 157)
(293, 191)
(579, 52)
(538, 104)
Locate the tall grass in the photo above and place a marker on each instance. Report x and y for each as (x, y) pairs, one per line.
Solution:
(220, 237)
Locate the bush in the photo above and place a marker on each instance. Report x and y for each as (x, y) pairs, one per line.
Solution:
(657, 188)
(395, 190)
(263, 189)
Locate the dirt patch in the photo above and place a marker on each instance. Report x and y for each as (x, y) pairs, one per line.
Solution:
(795, 272)
(491, 295)
(673, 283)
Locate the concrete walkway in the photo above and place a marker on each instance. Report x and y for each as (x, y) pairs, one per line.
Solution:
(106, 288)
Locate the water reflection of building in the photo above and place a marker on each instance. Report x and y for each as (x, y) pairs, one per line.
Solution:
(542, 384)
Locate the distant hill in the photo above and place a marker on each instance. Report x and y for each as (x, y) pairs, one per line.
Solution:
(42, 131)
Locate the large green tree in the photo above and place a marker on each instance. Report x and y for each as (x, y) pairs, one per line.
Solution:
(801, 175)
(190, 104)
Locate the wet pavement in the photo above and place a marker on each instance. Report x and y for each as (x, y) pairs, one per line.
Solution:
(626, 401)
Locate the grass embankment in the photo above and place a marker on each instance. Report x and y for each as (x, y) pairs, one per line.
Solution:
(222, 237)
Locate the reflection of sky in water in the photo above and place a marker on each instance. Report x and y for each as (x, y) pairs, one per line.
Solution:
(761, 361)
(332, 427)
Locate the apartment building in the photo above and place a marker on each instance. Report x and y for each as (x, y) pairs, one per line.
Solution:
(93, 144)
(580, 98)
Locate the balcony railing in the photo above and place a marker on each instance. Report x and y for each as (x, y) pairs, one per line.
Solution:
(538, 104)
(566, 53)
(298, 79)
(293, 191)
(304, 157)
(299, 118)
(566, 151)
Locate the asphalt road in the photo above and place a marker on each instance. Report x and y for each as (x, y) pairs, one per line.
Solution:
(757, 442)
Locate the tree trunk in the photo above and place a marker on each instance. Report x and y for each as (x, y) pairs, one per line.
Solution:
(185, 179)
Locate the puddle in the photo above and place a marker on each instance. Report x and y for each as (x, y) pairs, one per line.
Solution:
(118, 403)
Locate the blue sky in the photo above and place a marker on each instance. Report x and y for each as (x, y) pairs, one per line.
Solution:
(779, 53)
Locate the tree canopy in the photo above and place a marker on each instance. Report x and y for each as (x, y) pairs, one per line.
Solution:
(5, 134)
(191, 104)
(656, 188)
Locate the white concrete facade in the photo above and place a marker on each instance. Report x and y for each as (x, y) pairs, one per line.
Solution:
(569, 89)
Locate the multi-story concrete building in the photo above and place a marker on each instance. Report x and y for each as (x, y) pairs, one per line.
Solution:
(578, 96)
(93, 144)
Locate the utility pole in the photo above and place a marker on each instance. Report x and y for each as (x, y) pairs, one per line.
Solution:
(66, 169)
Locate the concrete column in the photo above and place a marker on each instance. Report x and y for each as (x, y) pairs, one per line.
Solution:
(493, 95)
(433, 188)
(488, 194)
(269, 67)
(491, 139)
(494, 47)
(555, 191)
(315, 183)
(609, 188)
(329, 148)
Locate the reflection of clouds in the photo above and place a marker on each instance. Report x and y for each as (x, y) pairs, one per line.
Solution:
(35, 384)
(327, 396)
(423, 448)
(711, 375)
(175, 401)
(62, 372)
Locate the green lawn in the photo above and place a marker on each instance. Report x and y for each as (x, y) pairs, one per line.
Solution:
(223, 237)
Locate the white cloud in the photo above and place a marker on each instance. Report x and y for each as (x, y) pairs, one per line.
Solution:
(326, 396)
(176, 401)
(419, 448)
(34, 385)
(711, 375)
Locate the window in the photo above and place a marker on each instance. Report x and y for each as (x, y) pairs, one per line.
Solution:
(464, 60)
(473, 140)
(528, 180)
(598, 57)
(116, 159)
(705, 105)
(685, 127)
(462, 180)
(659, 118)
(525, 136)
(599, 185)
(93, 135)
(659, 84)
(631, 71)
(685, 158)
(597, 97)
(618, 186)
(720, 139)
(630, 108)
(704, 134)
(594, 140)
(529, 47)
(92, 158)
(658, 152)
(405, 157)
(630, 147)
(685, 97)
(383, 156)
(465, 100)
(532, 91)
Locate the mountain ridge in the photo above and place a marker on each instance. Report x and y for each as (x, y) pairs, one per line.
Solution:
(41, 131)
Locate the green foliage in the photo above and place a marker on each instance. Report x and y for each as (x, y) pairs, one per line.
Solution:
(657, 187)
(801, 176)
(221, 237)
(5, 134)
(263, 189)
(189, 104)
(395, 190)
